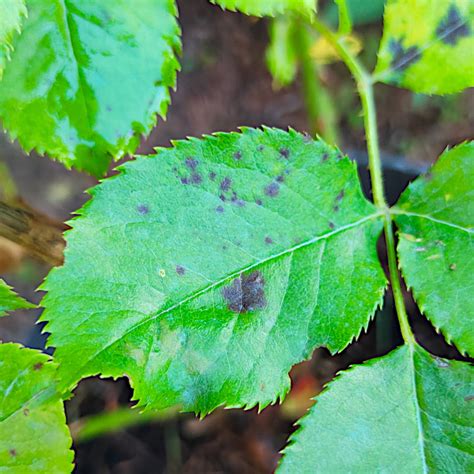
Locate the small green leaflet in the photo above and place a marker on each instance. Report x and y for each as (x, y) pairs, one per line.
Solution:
(86, 79)
(435, 217)
(405, 412)
(268, 7)
(34, 437)
(282, 56)
(205, 272)
(12, 14)
(428, 48)
(9, 300)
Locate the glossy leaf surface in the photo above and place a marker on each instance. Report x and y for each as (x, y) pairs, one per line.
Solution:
(428, 48)
(33, 433)
(205, 272)
(282, 56)
(436, 244)
(12, 14)
(268, 7)
(86, 78)
(9, 300)
(405, 412)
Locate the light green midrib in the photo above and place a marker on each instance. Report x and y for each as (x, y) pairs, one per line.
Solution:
(398, 211)
(80, 78)
(419, 422)
(222, 281)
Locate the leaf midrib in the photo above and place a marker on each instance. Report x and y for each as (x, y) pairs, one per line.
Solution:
(225, 279)
(398, 211)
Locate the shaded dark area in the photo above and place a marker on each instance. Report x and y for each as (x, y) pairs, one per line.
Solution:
(224, 84)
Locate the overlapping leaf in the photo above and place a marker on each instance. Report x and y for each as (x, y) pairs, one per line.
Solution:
(205, 272)
(426, 48)
(33, 433)
(405, 412)
(435, 217)
(87, 78)
(9, 300)
(12, 14)
(268, 7)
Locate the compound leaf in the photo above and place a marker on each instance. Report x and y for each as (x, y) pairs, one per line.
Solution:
(12, 14)
(268, 7)
(428, 49)
(282, 55)
(405, 412)
(87, 78)
(435, 217)
(33, 432)
(205, 272)
(9, 300)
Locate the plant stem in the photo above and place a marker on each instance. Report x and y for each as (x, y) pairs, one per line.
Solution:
(320, 108)
(364, 83)
(38, 234)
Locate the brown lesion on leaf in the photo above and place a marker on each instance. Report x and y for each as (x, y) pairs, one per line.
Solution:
(38, 366)
(13, 453)
(452, 27)
(246, 293)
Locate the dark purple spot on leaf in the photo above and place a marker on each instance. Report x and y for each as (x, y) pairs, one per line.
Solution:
(191, 163)
(245, 293)
(237, 155)
(225, 184)
(331, 225)
(268, 240)
(196, 178)
(260, 148)
(222, 198)
(219, 209)
(336, 208)
(212, 176)
(452, 27)
(340, 196)
(184, 181)
(272, 189)
(280, 178)
(143, 209)
(401, 57)
(285, 153)
(325, 156)
(180, 270)
(258, 202)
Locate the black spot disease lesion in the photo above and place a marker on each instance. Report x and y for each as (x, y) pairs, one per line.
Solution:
(452, 27)
(246, 293)
(143, 209)
(402, 57)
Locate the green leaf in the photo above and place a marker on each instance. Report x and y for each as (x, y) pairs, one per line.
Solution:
(12, 13)
(87, 78)
(205, 272)
(435, 217)
(405, 412)
(9, 300)
(33, 433)
(268, 7)
(282, 56)
(428, 49)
